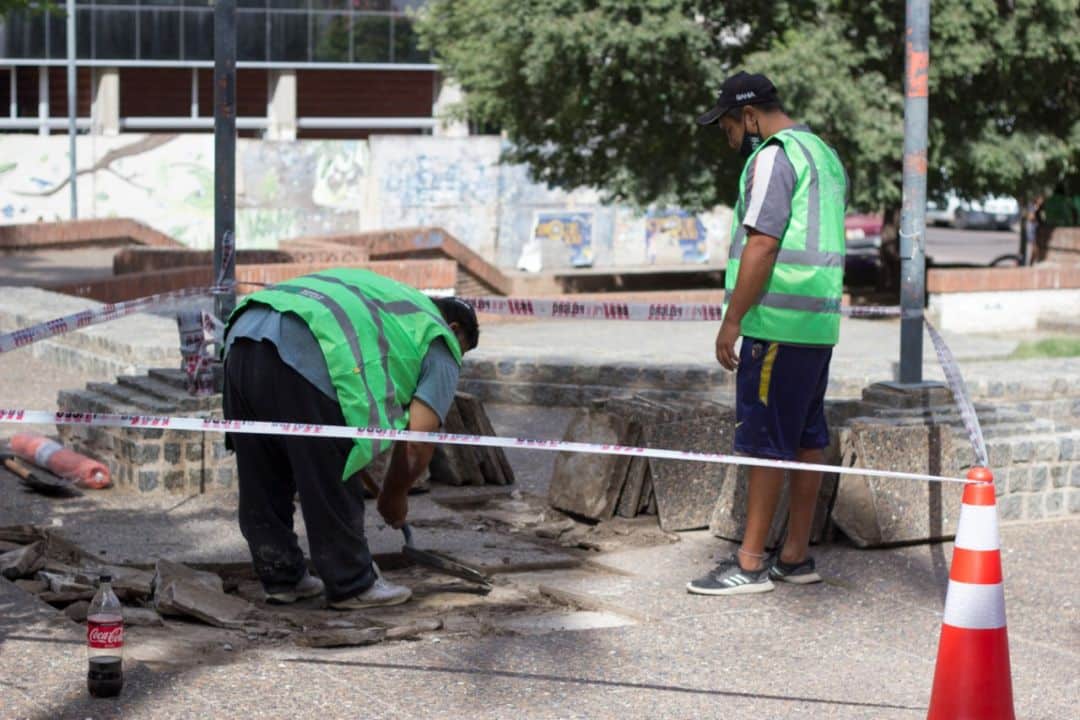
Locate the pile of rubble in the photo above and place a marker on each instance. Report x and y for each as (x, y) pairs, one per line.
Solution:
(64, 576)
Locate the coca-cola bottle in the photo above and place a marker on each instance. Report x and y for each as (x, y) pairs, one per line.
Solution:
(105, 642)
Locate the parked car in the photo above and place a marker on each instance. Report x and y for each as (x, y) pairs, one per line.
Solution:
(862, 238)
(1000, 212)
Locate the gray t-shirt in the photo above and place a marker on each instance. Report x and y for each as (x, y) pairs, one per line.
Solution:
(299, 349)
(770, 186)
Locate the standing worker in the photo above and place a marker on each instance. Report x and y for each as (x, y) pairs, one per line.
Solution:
(339, 347)
(784, 283)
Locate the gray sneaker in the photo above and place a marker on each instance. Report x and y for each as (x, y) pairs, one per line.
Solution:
(730, 579)
(801, 573)
(308, 587)
(382, 592)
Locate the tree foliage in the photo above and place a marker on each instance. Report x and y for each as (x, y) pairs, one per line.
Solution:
(604, 92)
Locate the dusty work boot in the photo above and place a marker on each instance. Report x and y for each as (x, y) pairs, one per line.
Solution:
(308, 587)
(382, 592)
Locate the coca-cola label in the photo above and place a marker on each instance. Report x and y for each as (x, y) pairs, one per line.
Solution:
(105, 635)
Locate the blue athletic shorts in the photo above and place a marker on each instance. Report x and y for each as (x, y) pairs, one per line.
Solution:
(780, 399)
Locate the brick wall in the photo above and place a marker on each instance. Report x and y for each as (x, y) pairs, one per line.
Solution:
(77, 233)
(147, 259)
(1046, 276)
(424, 274)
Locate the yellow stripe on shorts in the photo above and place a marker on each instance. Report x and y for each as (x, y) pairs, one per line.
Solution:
(766, 373)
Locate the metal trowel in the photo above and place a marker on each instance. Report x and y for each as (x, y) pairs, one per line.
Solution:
(443, 563)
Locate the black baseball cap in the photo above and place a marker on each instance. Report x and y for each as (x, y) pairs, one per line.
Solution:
(739, 90)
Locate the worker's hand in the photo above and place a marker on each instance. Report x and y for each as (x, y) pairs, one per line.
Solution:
(393, 506)
(725, 344)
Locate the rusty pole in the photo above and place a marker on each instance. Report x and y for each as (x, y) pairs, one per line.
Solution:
(913, 214)
(225, 153)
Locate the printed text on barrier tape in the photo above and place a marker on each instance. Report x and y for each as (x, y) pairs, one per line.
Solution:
(190, 424)
(640, 311)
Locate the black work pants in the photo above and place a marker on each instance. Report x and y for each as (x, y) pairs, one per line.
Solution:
(272, 468)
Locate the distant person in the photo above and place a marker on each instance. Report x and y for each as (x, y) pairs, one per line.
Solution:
(339, 347)
(785, 278)
(1056, 211)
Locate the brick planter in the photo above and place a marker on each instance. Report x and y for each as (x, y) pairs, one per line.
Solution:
(151, 460)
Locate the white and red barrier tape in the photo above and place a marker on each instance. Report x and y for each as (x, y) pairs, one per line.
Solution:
(86, 318)
(192, 424)
(566, 309)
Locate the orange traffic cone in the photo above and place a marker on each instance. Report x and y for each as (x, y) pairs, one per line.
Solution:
(973, 679)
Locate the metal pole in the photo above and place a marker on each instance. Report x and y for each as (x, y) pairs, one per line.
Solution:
(913, 214)
(73, 133)
(224, 152)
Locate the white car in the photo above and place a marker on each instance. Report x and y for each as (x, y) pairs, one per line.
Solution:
(1000, 212)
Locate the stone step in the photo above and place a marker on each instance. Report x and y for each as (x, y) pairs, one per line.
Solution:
(169, 393)
(144, 404)
(174, 377)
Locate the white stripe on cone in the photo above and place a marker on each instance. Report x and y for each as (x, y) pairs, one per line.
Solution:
(978, 528)
(975, 607)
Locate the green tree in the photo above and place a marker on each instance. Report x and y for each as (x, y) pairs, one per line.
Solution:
(604, 92)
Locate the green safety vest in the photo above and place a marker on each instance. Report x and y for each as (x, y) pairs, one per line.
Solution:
(374, 333)
(801, 300)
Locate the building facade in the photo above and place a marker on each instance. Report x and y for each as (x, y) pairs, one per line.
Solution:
(305, 68)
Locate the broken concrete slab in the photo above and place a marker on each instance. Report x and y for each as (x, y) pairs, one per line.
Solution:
(137, 616)
(341, 637)
(77, 610)
(24, 562)
(413, 629)
(686, 491)
(875, 511)
(191, 598)
(32, 586)
(63, 599)
(552, 530)
(166, 572)
(728, 519)
(471, 411)
(65, 582)
(585, 484)
(461, 459)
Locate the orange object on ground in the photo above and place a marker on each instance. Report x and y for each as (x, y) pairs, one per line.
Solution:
(973, 678)
(46, 453)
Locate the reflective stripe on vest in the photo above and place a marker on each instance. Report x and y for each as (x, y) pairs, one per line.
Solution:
(354, 324)
(801, 300)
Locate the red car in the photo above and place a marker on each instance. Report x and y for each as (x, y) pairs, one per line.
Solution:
(862, 236)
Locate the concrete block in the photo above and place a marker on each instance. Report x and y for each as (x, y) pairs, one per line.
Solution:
(1054, 502)
(174, 480)
(1040, 478)
(1011, 507)
(874, 511)
(1033, 506)
(686, 492)
(1074, 501)
(1059, 475)
(1070, 448)
(1019, 480)
(148, 480)
(193, 451)
(171, 452)
(224, 477)
(1047, 450)
(585, 484)
(1000, 454)
(1023, 451)
(1074, 476)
